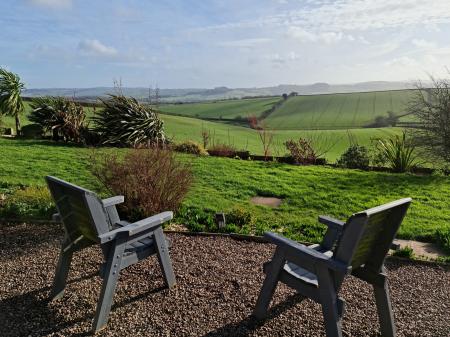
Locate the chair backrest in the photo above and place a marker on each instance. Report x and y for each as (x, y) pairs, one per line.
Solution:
(81, 211)
(368, 235)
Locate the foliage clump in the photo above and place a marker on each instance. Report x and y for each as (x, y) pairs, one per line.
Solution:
(63, 117)
(398, 153)
(222, 150)
(125, 122)
(191, 148)
(355, 157)
(151, 179)
(11, 102)
(406, 252)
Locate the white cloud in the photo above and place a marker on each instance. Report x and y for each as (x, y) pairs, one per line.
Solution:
(96, 48)
(54, 4)
(282, 59)
(244, 43)
(327, 37)
(423, 44)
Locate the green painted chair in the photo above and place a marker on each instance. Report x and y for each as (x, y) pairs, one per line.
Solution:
(358, 247)
(89, 221)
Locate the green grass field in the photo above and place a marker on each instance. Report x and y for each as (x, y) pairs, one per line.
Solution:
(229, 109)
(337, 111)
(221, 184)
(180, 128)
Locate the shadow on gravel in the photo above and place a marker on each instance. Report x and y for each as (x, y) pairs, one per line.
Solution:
(18, 239)
(249, 324)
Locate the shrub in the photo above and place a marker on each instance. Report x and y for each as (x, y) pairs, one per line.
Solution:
(63, 117)
(190, 147)
(239, 216)
(355, 157)
(398, 152)
(126, 122)
(406, 252)
(302, 151)
(28, 203)
(152, 179)
(222, 150)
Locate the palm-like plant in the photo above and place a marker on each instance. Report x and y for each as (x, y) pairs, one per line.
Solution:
(60, 115)
(126, 122)
(398, 152)
(10, 100)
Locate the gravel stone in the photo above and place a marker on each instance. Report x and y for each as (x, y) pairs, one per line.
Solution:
(218, 281)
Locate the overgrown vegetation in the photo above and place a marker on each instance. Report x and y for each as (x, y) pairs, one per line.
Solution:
(151, 179)
(302, 151)
(125, 122)
(63, 117)
(406, 252)
(33, 202)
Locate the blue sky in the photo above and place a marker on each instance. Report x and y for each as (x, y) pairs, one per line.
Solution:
(236, 43)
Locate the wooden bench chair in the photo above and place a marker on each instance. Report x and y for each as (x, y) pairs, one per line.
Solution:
(358, 246)
(89, 220)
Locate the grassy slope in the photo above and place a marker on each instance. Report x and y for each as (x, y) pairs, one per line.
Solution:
(337, 111)
(221, 109)
(181, 128)
(224, 183)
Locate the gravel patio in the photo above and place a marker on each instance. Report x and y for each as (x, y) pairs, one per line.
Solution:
(218, 282)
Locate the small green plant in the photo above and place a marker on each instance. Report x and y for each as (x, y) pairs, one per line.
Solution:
(190, 147)
(406, 252)
(355, 157)
(28, 203)
(125, 122)
(398, 152)
(195, 219)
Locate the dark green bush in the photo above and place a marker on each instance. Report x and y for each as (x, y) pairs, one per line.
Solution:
(32, 131)
(398, 153)
(27, 203)
(355, 157)
(190, 147)
(126, 122)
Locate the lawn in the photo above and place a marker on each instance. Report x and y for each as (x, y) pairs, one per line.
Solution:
(337, 111)
(222, 184)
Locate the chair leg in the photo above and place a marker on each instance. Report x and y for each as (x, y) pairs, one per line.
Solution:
(111, 276)
(332, 306)
(269, 284)
(384, 309)
(164, 258)
(61, 273)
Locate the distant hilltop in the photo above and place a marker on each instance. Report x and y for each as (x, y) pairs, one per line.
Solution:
(202, 94)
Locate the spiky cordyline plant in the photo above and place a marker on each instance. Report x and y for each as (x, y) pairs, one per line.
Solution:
(398, 152)
(10, 100)
(60, 115)
(126, 122)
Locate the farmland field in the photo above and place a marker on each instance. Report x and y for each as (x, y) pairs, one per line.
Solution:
(228, 109)
(222, 184)
(337, 111)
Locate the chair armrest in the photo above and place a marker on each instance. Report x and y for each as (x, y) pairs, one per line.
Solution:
(143, 226)
(56, 217)
(118, 199)
(330, 222)
(308, 255)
